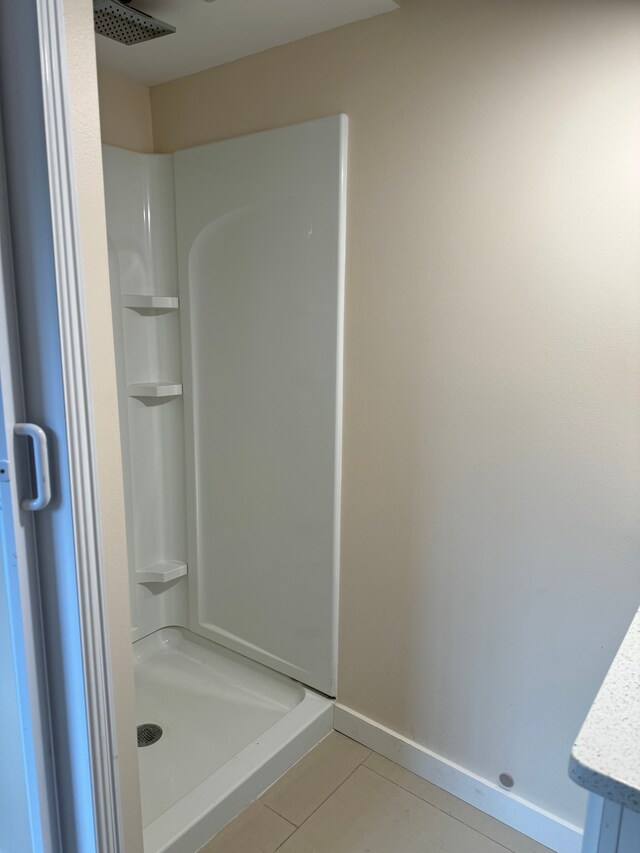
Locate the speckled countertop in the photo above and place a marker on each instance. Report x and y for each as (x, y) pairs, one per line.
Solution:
(606, 756)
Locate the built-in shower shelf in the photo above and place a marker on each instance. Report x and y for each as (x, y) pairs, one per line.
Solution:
(147, 302)
(154, 389)
(162, 572)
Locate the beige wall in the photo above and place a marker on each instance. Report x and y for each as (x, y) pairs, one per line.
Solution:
(85, 127)
(491, 477)
(125, 112)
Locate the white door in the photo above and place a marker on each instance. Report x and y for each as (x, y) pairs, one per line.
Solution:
(28, 820)
(261, 225)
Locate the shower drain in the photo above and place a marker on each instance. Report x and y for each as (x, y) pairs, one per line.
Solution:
(148, 733)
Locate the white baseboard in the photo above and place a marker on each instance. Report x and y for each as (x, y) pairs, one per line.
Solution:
(543, 827)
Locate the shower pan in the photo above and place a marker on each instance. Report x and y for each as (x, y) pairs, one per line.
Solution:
(227, 274)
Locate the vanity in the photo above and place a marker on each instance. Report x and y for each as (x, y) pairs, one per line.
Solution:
(605, 759)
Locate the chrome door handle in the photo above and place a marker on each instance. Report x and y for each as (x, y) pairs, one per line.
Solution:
(41, 462)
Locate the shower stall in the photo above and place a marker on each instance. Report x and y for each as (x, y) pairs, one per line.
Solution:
(227, 272)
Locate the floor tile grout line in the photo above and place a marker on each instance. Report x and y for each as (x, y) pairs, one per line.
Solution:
(328, 795)
(300, 760)
(245, 809)
(277, 814)
(370, 753)
(309, 816)
(434, 806)
(337, 788)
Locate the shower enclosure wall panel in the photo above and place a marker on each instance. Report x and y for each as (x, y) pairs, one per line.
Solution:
(261, 223)
(140, 208)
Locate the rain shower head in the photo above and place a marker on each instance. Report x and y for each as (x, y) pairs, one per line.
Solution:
(120, 22)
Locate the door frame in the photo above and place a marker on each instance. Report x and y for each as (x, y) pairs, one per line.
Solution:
(80, 437)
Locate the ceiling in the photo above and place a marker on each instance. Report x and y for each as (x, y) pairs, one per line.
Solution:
(211, 33)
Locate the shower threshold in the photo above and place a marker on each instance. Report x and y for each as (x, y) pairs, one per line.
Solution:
(230, 728)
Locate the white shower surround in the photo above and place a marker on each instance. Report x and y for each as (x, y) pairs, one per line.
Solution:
(260, 222)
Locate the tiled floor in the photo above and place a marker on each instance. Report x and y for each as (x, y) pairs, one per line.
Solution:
(343, 798)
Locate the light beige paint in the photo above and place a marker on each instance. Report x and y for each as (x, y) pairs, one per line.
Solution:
(125, 112)
(85, 127)
(491, 489)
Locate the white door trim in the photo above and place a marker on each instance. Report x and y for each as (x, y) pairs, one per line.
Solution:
(514, 811)
(80, 438)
